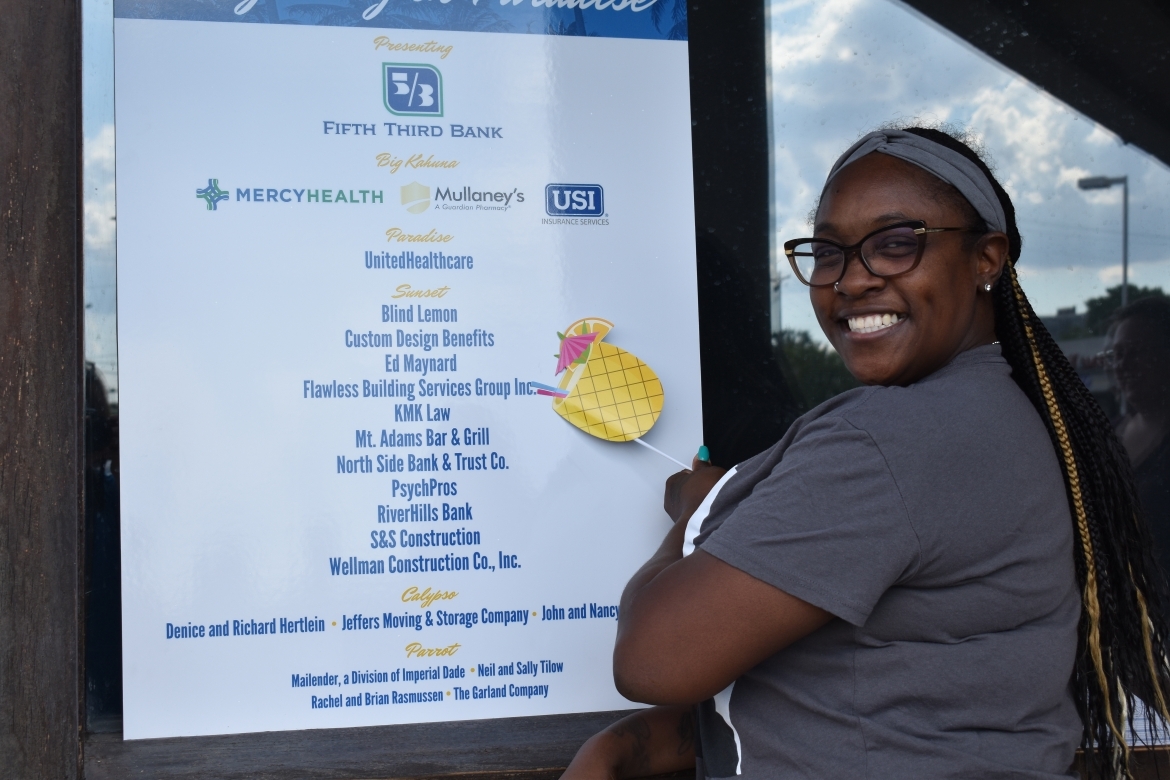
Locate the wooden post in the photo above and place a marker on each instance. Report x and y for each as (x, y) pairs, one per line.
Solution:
(41, 371)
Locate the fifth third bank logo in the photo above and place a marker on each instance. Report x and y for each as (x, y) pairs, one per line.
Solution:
(412, 90)
(574, 200)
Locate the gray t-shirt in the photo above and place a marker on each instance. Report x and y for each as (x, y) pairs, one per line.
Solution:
(932, 522)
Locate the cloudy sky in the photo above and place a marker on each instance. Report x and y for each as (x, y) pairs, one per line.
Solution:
(97, 65)
(838, 69)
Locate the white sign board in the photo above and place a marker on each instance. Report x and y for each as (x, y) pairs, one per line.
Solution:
(355, 245)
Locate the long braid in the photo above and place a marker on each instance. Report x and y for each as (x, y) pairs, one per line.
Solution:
(1123, 635)
(1080, 515)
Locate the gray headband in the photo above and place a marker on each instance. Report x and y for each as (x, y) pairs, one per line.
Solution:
(946, 164)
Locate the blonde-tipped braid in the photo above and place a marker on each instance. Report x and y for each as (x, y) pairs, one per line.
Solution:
(1069, 463)
(1149, 647)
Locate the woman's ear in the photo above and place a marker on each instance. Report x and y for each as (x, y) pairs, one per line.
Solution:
(991, 255)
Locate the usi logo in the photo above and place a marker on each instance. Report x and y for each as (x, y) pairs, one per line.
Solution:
(576, 200)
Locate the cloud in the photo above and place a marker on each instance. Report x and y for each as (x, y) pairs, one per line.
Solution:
(1155, 274)
(804, 31)
(100, 233)
(100, 225)
(1101, 136)
(1033, 136)
(1110, 275)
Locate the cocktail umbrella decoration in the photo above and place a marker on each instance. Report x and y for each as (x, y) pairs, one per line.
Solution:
(604, 390)
(574, 349)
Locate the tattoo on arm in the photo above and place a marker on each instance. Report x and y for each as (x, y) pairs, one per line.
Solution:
(637, 730)
(686, 733)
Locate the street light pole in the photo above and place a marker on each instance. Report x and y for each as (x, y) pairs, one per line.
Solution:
(1104, 183)
(1124, 240)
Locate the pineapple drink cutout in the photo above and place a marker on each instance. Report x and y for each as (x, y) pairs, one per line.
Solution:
(604, 390)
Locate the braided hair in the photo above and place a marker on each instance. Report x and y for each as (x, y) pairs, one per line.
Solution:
(1122, 636)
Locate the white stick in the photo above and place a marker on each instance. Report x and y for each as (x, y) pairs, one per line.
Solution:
(660, 452)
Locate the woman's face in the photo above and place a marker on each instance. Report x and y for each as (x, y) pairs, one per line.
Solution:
(940, 307)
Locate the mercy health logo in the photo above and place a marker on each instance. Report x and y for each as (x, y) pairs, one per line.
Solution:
(574, 200)
(416, 198)
(411, 89)
(212, 194)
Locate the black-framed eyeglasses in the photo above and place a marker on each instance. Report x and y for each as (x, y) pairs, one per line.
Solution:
(889, 251)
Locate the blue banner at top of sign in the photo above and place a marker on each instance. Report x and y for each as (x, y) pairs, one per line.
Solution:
(651, 19)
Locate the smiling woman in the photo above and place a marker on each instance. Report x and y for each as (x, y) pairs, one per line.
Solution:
(928, 317)
(843, 604)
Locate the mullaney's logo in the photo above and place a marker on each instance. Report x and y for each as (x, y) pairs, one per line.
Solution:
(412, 89)
(212, 194)
(574, 200)
(416, 197)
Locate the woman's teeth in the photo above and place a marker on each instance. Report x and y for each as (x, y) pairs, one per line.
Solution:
(872, 322)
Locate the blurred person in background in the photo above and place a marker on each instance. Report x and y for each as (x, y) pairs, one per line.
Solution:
(1140, 359)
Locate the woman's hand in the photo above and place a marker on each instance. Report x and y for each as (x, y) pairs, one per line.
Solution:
(650, 742)
(687, 489)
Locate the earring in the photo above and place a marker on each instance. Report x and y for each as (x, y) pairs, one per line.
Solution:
(987, 287)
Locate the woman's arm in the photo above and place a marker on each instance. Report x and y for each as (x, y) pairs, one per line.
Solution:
(650, 742)
(688, 627)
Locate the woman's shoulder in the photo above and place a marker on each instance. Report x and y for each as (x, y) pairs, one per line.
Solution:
(973, 393)
(972, 402)
(830, 416)
(969, 410)
(972, 373)
(838, 408)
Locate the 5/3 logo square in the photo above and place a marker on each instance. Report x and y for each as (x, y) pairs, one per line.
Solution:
(412, 89)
